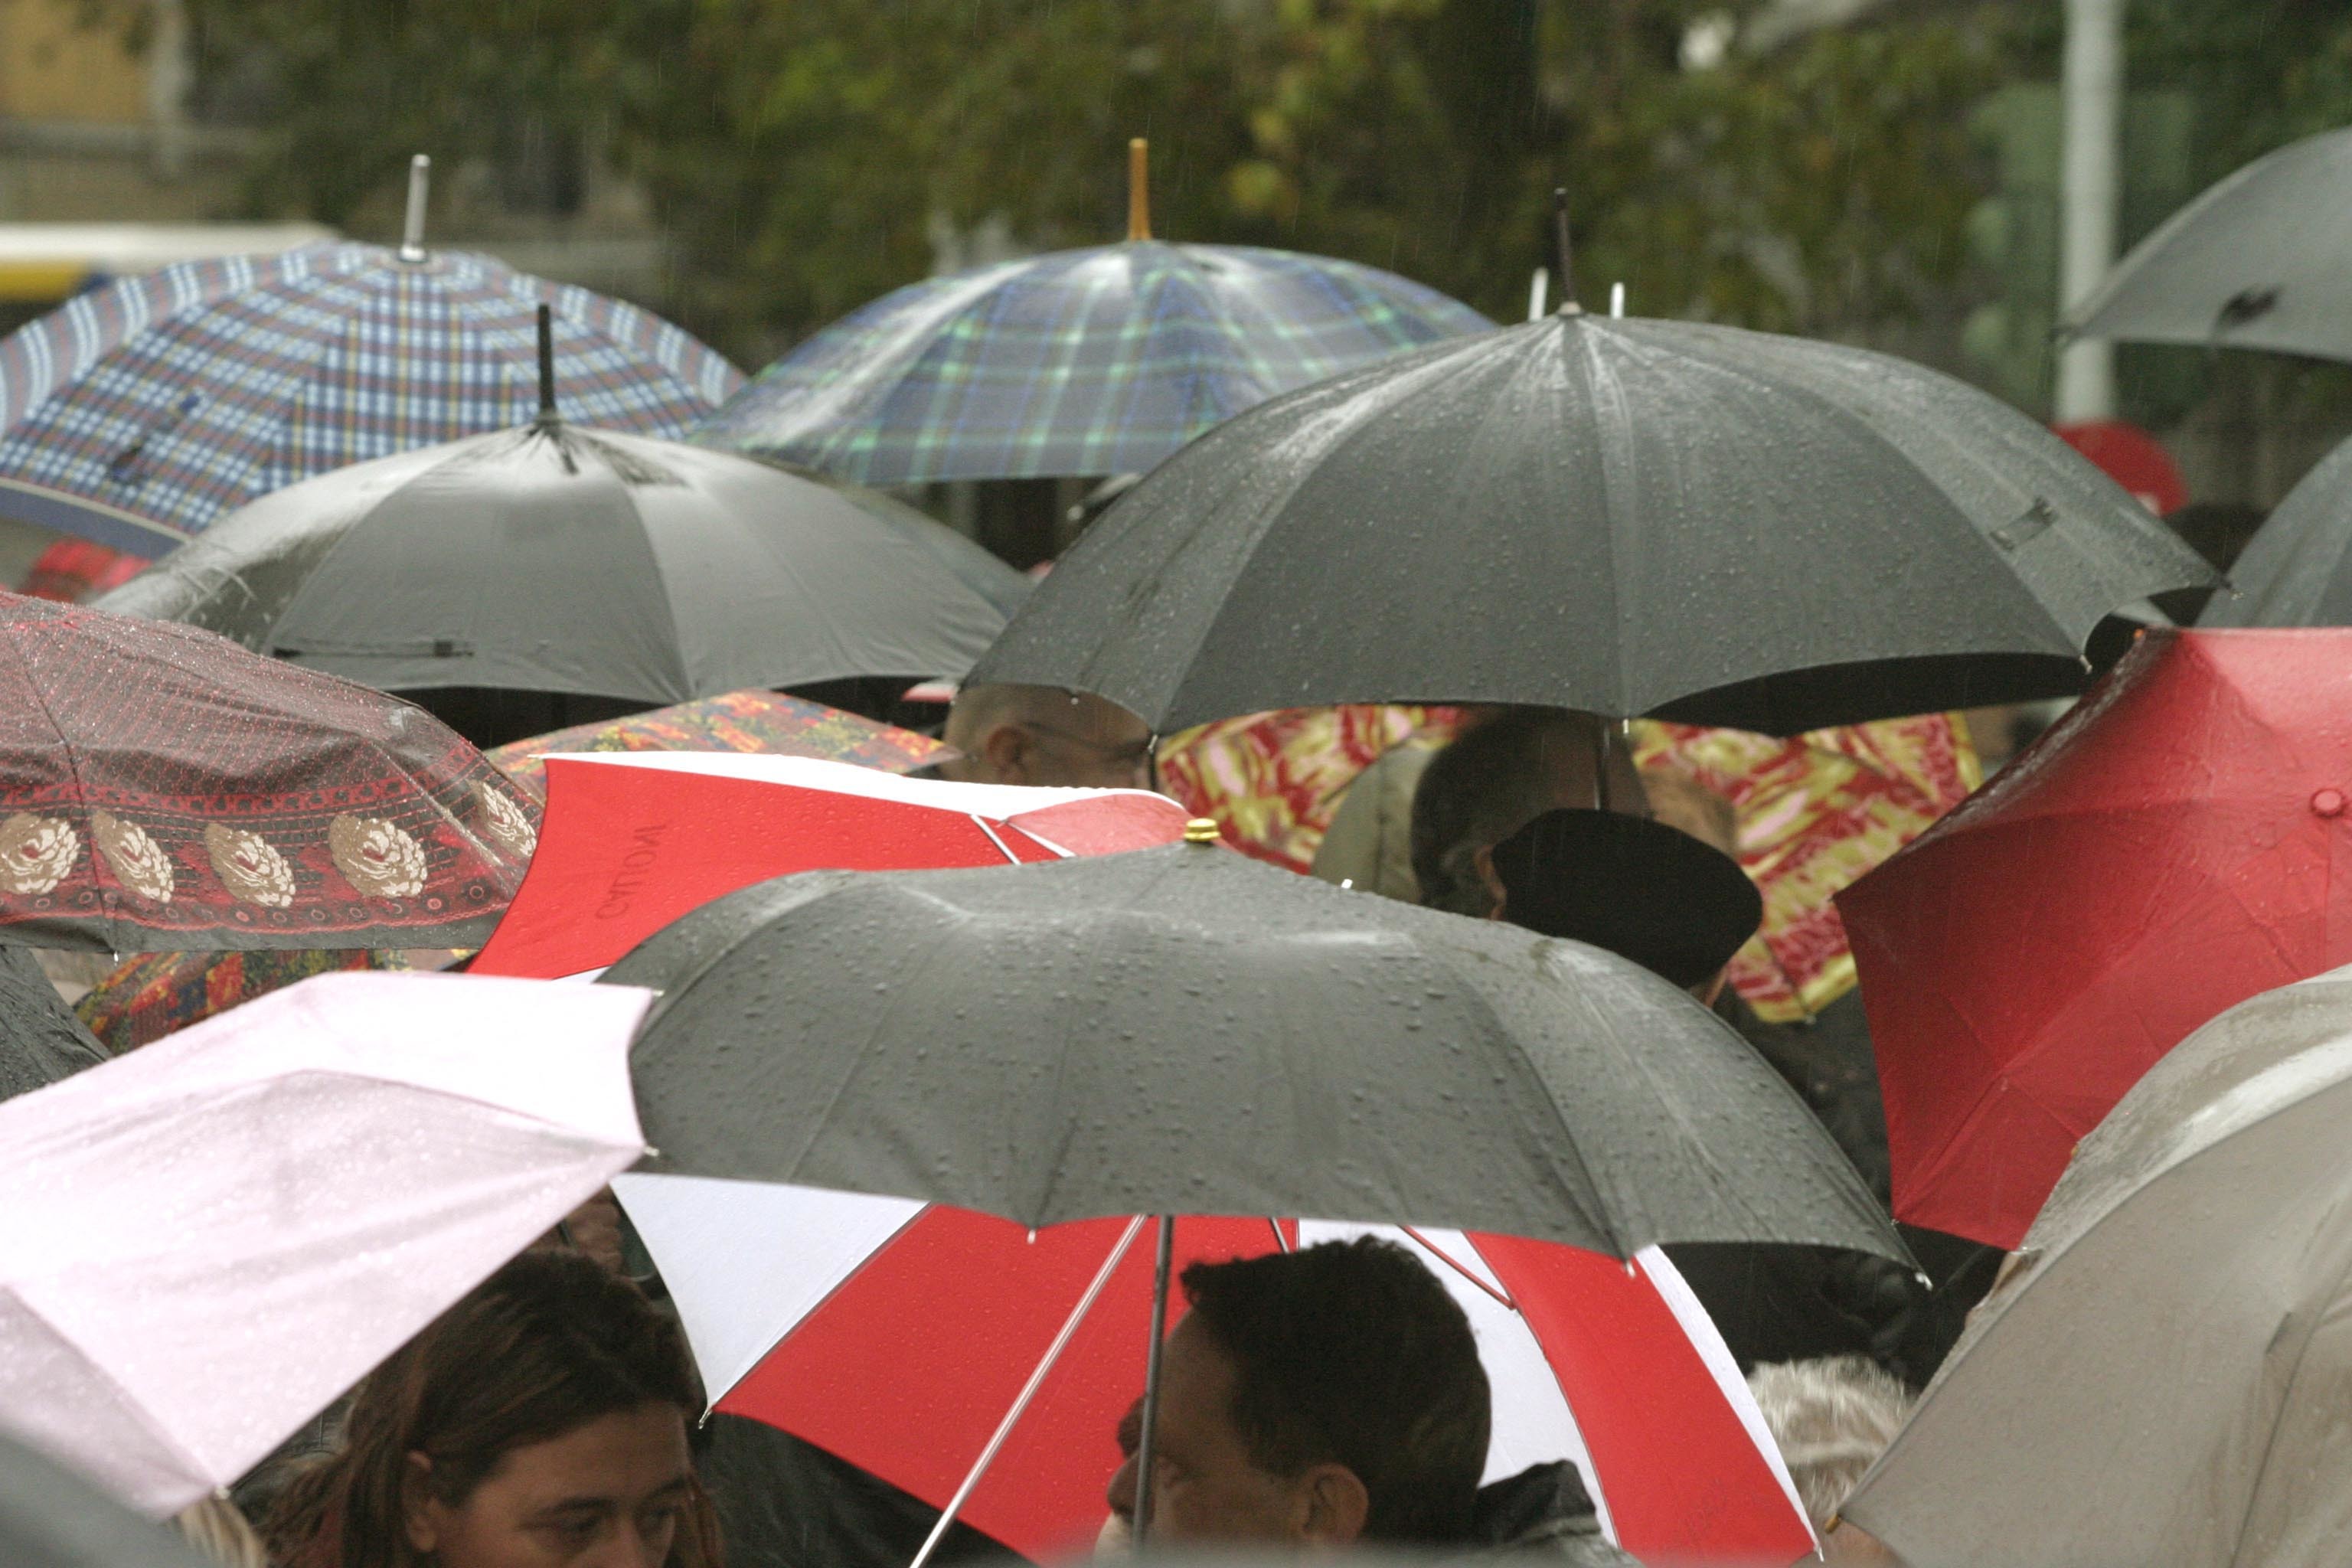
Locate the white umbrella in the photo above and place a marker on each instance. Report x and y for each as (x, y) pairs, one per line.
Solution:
(2164, 1373)
(203, 1243)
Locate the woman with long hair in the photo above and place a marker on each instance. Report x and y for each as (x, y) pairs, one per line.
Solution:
(539, 1423)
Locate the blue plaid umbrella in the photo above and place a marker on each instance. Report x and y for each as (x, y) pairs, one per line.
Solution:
(137, 413)
(1082, 361)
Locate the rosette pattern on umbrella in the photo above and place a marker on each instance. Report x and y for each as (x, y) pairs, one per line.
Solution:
(137, 413)
(162, 789)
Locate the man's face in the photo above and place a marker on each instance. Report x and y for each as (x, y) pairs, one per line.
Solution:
(1204, 1488)
(1088, 743)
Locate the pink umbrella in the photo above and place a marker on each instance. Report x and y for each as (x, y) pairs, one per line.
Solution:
(632, 840)
(203, 1243)
(983, 1367)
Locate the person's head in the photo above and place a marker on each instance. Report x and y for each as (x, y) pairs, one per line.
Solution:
(539, 1423)
(1832, 1417)
(219, 1534)
(1318, 1397)
(1494, 781)
(1044, 735)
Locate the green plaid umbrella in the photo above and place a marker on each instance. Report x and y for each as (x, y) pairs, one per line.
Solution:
(1078, 363)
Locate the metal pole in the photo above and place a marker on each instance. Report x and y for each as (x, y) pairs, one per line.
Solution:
(1143, 1445)
(1538, 287)
(1139, 189)
(2093, 94)
(412, 232)
(1567, 249)
(546, 364)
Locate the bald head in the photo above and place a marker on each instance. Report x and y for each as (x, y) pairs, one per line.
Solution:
(1045, 735)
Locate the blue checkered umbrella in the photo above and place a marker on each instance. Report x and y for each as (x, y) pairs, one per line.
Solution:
(1081, 361)
(137, 413)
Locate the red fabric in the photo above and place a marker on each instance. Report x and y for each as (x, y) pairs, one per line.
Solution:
(2179, 843)
(2132, 458)
(626, 850)
(72, 569)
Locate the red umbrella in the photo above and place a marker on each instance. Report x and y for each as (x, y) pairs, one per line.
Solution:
(162, 789)
(975, 1364)
(634, 840)
(2179, 843)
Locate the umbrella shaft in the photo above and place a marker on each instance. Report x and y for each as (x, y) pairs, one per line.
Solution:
(1144, 1444)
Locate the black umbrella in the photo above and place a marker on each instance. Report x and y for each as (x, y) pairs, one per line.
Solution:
(1624, 517)
(41, 1041)
(51, 1518)
(551, 558)
(2297, 570)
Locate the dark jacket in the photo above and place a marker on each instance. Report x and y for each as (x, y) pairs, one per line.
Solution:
(1543, 1509)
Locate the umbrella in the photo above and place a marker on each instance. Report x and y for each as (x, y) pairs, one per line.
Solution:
(51, 1518)
(2174, 844)
(766, 723)
(1624, 517)
(203, 1243)
(41, 1040)
(632, 841)
(161, 788)
(2162, 1375)
(2255, 262)
(551, 558)
(2297, 570)
(1101, 361)
(136, 413)
(898, 1336)
(160, 994)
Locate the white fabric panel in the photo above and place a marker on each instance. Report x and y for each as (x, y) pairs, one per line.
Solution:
(997, 801)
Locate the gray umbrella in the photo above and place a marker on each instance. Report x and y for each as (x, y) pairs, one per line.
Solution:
(551, 558)
(41, 1041)
(51, 1518)
(2258, 261)
(1624, 517)
(1184, 1030)
(2297, 570)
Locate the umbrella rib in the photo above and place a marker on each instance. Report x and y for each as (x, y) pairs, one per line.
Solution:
(1451, 1262)
(130, 1402)
(2286, 1393)
(71, 621)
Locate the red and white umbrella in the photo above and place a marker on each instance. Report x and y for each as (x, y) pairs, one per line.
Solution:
(946, 1351)
(632, 841)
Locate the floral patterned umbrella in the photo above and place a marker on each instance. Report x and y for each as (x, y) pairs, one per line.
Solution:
(158, 994)
(762, 722)
(161, 789)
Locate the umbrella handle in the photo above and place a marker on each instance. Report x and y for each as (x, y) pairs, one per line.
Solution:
(1143, 1445)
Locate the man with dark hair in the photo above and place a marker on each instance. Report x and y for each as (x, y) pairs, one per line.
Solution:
(1333, 1395)
(1497, 779)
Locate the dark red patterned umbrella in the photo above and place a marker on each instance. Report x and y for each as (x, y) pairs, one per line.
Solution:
(162, 789)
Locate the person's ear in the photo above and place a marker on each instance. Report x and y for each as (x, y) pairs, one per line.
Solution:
(1706, 991)
(417, 1504)
(1333, 1506)
(1482, 861)
(1006, 750)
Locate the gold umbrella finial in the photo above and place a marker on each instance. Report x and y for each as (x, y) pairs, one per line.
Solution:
(1202, 830)
(1139, 188)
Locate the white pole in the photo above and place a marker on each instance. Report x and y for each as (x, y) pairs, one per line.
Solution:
(2092, 96)
(412, 232)
(1538, 293)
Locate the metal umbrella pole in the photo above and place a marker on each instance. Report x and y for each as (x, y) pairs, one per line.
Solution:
(1144, 1443)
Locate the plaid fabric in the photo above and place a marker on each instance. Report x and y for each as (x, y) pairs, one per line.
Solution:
(1078, 363)
(177, 395)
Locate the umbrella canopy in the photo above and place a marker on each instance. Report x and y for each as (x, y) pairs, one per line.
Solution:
(136, 413)
(1082, 361)
(897, 1335)
(2179, 842)
(51, 1518)
(160, 994)
(41, 1040)
(2162, 1376)
(1624, 517)
(161, 788)
(1061, 1041)
(551, 558)
(765, 722)
(2297, 570)
(203, 1243)
(631, 842)
(2255, 262)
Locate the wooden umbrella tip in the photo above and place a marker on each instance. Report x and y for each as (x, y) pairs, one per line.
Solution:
(1139, 188)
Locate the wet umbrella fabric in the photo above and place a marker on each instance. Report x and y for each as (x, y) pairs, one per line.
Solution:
(553, 558)
(2255, 262)
(2162, 1373)
(2179, 842)
(1065, 1041)
(898, 1336)
(1625, 517)
(1101, 361)
(631, 842)
(139, 412)
(205, 1242)
(2297, 570)
(51, 1518)
(41, 1040)
(161, 789)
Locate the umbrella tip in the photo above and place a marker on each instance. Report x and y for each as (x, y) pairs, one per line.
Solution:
(1139, 188)
(412, 231)
(546, 364)
(1202, 830)
(1567, 252)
